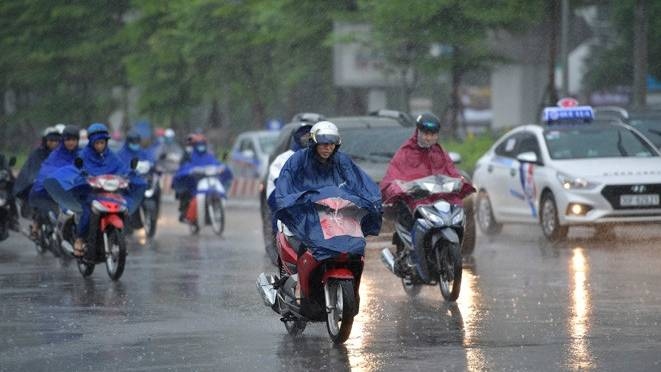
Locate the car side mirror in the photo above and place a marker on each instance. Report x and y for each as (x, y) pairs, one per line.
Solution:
(134, 163)
(527, 157)
(12, 161)
(78, 163)
(455, 157)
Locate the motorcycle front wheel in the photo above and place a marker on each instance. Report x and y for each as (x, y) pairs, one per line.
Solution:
(149, 220)
(85, 269)
(216, 215)
(449, 265)
(115, 249)
(341, 309)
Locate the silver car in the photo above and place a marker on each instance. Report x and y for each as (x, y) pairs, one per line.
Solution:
(596, 173)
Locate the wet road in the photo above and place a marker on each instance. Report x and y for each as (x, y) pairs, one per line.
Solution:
(189, 303)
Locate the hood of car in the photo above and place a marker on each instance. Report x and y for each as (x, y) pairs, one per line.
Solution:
(376, 170)
(613, 170)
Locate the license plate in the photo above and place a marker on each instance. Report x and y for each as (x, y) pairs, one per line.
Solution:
(639, 200)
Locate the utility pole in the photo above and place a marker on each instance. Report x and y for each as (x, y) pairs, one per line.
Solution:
(639, 54)
(564, 47)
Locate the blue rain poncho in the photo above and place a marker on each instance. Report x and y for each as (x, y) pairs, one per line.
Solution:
(60, 157)
(185, 182)
(304, 180)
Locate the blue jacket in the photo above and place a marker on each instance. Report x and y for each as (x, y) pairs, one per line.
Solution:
(305, 180)
(29, 171)
(183, 180)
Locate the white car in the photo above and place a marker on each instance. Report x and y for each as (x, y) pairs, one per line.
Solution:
(596, 173)
(250, 153)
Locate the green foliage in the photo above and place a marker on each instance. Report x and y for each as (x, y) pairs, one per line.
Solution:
(471, 149)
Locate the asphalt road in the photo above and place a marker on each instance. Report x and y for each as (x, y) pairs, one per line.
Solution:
(189, 303)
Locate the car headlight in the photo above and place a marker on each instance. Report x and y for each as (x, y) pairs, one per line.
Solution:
(575, 183)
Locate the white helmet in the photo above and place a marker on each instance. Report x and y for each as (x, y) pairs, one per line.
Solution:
(169, 133)
(325, 132)
(59, 127)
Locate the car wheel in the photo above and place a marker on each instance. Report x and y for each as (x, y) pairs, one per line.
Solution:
(548, 219)
(484, 214)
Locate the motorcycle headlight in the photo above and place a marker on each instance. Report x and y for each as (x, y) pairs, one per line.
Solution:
(458, 217)
(429, 214)
(575, 183)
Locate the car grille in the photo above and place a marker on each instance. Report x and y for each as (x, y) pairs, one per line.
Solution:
(612, 194)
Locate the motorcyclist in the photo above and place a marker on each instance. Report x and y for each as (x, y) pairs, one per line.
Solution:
(418, 157)
(185, 185)
(318, 166)
(97, 160)
(49, 141)
(132, 148)
(62, 156)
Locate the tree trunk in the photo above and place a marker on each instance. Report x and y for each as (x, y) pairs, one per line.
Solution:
(639, 55)
(455, 100)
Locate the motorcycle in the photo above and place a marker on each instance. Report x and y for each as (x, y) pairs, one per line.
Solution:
(147, 215)
(315, 290)
(7, 213)
(207, 207)
(429, 252)
(46, 237)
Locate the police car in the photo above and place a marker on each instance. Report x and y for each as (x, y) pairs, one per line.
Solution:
(572, 170)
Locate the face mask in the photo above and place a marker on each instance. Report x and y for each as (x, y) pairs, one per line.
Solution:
(201, 148)
(189, 149)
(134, 146)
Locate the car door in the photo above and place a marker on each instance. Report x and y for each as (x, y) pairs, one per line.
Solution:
(500, 170)
(521, 183)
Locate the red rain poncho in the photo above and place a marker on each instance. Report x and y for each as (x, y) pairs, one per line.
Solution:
(412, 162)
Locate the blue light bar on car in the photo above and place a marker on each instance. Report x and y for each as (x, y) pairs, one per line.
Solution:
(579, 113)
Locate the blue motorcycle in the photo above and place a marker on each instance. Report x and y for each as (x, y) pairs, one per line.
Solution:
(428, 248)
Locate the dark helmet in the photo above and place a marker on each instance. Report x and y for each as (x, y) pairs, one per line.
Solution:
(428, 122)
(133, 136)
(71, 131)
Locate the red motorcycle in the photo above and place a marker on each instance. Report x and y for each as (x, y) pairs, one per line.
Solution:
(106, 234)
(309, 290)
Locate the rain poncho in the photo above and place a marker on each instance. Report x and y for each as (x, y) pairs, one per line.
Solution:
(412, 162)
(305, 180)
(126, 154)
(29, 171)
(68, 186)
(60, 157)
(185, 182)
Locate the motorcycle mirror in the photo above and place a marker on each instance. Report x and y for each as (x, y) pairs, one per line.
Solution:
(12, 161)
(78, 162)
(134, 163)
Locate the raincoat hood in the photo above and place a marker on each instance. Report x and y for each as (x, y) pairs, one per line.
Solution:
(412, 162)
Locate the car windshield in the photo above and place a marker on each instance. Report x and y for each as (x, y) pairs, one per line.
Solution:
(595, 141)
(268, 142)
(650, 127)
(373, 144)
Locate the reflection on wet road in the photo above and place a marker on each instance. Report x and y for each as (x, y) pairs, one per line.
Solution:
(189, 303)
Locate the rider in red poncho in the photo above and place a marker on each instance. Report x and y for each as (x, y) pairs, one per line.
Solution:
(418, 157)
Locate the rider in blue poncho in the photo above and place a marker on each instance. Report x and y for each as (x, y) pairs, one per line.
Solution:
(184, 184)
(319, 172)
(69, 187)
(133, 149)
(62, 156)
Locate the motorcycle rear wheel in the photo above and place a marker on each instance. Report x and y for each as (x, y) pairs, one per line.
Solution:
(341, 310)
(449, 264)
(216, 215)
(116, 260)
